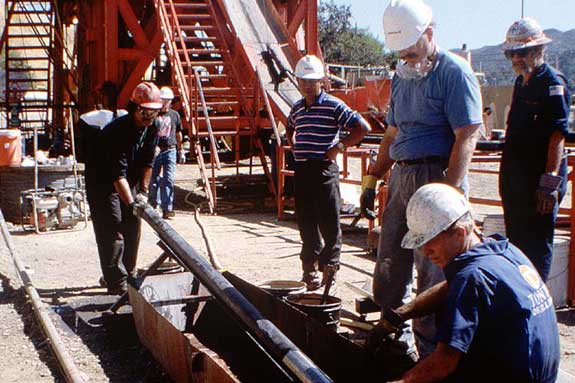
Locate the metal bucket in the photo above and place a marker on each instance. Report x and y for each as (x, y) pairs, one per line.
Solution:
(282, 289)
(310, 304)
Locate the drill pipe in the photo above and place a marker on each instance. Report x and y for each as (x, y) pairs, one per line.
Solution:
(280, 347)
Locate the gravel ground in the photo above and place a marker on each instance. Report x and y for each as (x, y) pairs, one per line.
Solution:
(255, 246)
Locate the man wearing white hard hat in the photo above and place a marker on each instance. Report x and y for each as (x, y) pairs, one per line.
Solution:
(169, 128)
(533, 173)
(313, 131)
(119, 180)
(497, 321)
(434, 116)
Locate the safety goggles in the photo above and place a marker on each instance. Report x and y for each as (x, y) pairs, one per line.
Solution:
(148, 113)
(521, 53)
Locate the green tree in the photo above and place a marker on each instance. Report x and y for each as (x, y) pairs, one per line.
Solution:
(343, 44)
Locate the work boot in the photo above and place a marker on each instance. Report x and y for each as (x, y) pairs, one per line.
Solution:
(311, 280)
(117, 289)
(168, 214)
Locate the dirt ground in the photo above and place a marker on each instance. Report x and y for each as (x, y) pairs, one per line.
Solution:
(253, 245)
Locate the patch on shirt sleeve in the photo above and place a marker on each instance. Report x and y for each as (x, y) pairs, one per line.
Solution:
(556, 90)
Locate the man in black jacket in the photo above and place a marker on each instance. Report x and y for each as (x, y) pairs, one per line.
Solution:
(119, 177)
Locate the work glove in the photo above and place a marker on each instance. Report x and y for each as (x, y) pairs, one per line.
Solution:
(547, 195)
(367, 198)
(181, 157)
(141, 198)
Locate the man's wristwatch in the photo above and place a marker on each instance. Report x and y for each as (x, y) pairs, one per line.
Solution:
(341, 147)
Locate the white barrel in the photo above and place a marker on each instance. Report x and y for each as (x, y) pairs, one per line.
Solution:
(558, 275)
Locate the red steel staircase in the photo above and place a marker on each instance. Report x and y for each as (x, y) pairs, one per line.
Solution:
(221, 96)
(28, 36)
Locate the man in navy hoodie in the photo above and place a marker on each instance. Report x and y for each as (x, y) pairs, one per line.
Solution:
(497, 317)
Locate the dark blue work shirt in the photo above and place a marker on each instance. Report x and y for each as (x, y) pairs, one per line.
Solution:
(500, 315)
(538, 109)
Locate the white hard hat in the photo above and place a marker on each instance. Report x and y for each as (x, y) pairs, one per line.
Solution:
(432, 209)
(166, 93)
(309, 67)
(404, 21)
(524, 33)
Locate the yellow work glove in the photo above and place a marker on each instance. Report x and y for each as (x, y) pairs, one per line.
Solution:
(367, 198)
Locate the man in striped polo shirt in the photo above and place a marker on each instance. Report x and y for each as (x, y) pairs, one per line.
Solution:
(313, 130)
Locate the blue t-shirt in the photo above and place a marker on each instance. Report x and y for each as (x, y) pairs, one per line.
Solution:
(426, 111)
(500, 314)
(317, 126)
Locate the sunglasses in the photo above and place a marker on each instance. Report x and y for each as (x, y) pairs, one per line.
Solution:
(521, 53)
(148, 113)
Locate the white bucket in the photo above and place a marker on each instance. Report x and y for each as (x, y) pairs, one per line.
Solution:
(558, 275)
(494, 224)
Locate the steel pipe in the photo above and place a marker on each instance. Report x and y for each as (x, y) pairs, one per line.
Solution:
(70, 370)
(280, 347)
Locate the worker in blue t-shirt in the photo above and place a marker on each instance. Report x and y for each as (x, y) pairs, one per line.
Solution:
(497, 321)
(313, 131)
(533, 174)
(434, 116)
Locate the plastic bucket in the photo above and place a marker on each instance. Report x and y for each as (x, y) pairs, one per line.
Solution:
(10, 147)
(310, 304)
(281, 289)
(558, 275)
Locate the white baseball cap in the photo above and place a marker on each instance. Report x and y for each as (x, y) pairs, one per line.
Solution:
(310, 67)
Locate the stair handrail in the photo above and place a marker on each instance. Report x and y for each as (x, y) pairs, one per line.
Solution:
(213, 146)
(268, 107)
(170, 43)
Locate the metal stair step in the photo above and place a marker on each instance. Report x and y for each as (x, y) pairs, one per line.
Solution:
(197, 27)
(33, 24)
(214, 75)
(26, 58)
(190, 5)
(28, 36)
(222, 103)
(206, 63)
(197, 39)
(215, 51)
(25, 47)
(196, 16)
(28, 69)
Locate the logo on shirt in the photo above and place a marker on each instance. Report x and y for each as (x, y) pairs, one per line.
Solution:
(164, 125)
(556, 90)
(530, 276)
(540, 299)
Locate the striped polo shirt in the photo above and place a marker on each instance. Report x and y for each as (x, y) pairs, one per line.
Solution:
(317, 126)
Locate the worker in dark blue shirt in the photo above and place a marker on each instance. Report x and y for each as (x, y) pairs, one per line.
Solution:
(119, 177)
(497, 321)
(533, 174)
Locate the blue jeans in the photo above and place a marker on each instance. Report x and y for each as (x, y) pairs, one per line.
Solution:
(164, 162)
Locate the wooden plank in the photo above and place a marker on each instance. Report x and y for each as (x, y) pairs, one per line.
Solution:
(183, 356)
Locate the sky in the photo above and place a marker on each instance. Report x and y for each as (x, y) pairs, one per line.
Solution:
(474, 22)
